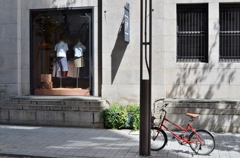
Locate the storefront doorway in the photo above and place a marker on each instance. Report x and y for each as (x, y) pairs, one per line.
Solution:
(61, 52)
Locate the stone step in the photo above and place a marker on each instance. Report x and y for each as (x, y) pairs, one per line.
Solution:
(215, 115)
(72, 111)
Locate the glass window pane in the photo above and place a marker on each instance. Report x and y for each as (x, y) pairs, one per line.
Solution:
(48, 28)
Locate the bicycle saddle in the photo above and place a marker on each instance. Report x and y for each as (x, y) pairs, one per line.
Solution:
(192, 115)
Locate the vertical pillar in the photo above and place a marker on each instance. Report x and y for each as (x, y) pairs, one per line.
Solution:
(145, 84)
(145, 116)
(19, 46)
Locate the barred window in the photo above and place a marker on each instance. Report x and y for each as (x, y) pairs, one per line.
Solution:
(192, 32)
(229, 32)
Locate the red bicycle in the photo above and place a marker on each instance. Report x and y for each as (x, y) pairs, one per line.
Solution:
(201, 141)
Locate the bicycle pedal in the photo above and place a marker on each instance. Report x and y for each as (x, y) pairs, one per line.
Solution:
(173, 137)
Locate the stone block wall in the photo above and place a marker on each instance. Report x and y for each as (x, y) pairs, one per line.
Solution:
(72, 113)
(215, 115)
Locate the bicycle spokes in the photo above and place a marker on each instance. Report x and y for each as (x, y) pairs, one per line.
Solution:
(158, 139)
(202, 142)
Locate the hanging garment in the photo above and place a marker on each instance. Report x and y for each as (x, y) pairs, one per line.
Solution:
(78, 52)
(79, 48)
(72, 70)
(62, 64)
(55, 73)
(79, 62)
(61, 49)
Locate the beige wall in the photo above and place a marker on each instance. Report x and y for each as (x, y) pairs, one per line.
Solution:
(9, 57)
(199, 80)
(121, 60)
(170, 78)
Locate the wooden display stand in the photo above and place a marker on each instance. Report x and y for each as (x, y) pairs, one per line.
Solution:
(47, 84)
(46, 81)
(62, 91)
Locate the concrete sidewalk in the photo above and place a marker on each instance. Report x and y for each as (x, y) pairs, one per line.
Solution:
(45, 142)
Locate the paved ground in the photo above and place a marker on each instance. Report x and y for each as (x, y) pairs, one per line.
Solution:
(45, 142)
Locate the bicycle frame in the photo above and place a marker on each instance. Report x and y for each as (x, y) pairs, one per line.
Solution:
(183, 129)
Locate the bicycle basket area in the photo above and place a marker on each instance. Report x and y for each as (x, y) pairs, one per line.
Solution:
(161, 115)
(158, 117)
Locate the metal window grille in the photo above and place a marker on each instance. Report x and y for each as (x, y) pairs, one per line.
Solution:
(192, 32)
(229, 32)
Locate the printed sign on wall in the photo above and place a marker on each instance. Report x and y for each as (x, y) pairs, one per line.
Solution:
(126, 23)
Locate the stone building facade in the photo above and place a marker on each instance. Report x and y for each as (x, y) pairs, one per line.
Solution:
(115, 64)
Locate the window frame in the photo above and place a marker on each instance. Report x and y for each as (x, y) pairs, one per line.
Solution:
(229, 38)
(192, 38)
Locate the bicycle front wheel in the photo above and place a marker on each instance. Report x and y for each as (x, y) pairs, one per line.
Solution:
(202, 142)
(158, 139)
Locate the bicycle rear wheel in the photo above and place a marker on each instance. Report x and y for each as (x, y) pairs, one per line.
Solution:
(158, 139)
(207, 144)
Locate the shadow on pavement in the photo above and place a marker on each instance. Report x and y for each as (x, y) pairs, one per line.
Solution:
(21, 156)
(55, 142)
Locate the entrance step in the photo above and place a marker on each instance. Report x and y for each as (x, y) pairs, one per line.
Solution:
(71, 111)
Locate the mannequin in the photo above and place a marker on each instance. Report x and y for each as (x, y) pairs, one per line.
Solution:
(62, 49)
(61, 59)
(79, 48)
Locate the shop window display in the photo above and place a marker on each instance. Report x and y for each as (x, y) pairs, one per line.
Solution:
(61, 49)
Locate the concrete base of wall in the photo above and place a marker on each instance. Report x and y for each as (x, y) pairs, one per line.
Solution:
(84, 111)
(215, 115)
(70, 111)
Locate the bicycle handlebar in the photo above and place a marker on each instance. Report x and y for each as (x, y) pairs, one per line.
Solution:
(164, 104)
(157, 100)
